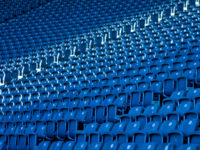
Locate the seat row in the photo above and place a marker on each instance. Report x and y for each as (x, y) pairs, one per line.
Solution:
(153, 132)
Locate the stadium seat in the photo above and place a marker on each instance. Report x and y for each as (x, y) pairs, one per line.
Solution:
(99, 74)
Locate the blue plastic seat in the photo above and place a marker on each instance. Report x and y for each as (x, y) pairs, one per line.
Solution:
(12, 141)
(137, 78)
(68, 145)
(166, 146)
(92, 127)
(30, 128)
(43, 145)
(150, 146)
(188, 146)
(73, 104)
(130, 87)
(163, 112)
(9, 116)
(110, 146)
(118, 128)
(156, 86)
(191, 126)
(104, 128)
(139, 138)
(136, 98)
(2, 128)
(184, 106)
(132, 128)
(155, 68)
(17, 116)
(189, 73)
(117, 88)
(41, 129)
(148, 97)
(149, 77)
(182, 83)
(133, 112)
(82, 135)
(95, 91)
(169, 86)
(150, 110)
(121, 100)
(142, 86)
(96, 101)
(175, 74)
(194, 139)
(85, 102)
(127, 146)
(178, 95)
(180, 111)
(62, 129)
(151, 126)
(3, 142)
(198, 75)
(80, 146)
(56, 145)
(100, 113)
(105, 90)
(193, 93)
(168, 126)
(95, 146)
(84, 92)
(175, 138)
(193, 64)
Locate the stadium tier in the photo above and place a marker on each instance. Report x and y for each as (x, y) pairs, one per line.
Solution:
(100, 75)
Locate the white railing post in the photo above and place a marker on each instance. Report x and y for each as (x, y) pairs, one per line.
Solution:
(57, 58)
(160, 16)
(119, 32)
(2, 80)
(72, 52)
(147, 21)
(173, 11)
(20, 73)
(103, 39)
(89, 45)
(197, 3)
(133, 27)
(38, 66)
(185, 5)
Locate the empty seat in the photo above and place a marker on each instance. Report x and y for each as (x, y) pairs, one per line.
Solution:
(110, 146)
(136, 99)
(194, 139)
(127, 146)
(175, 138)
(133, 112)
(168, 126)
(166, 146)
(117, 128)
(56, 145)
(43, 145)
(188, 146)
(81, 146)
(148, 97)
(68, 145)
(104, 128)
(191, 126)
(150, 146)
(132, 128)
(164, 110)
(169, 86)
(90, 128)
(150, 110)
